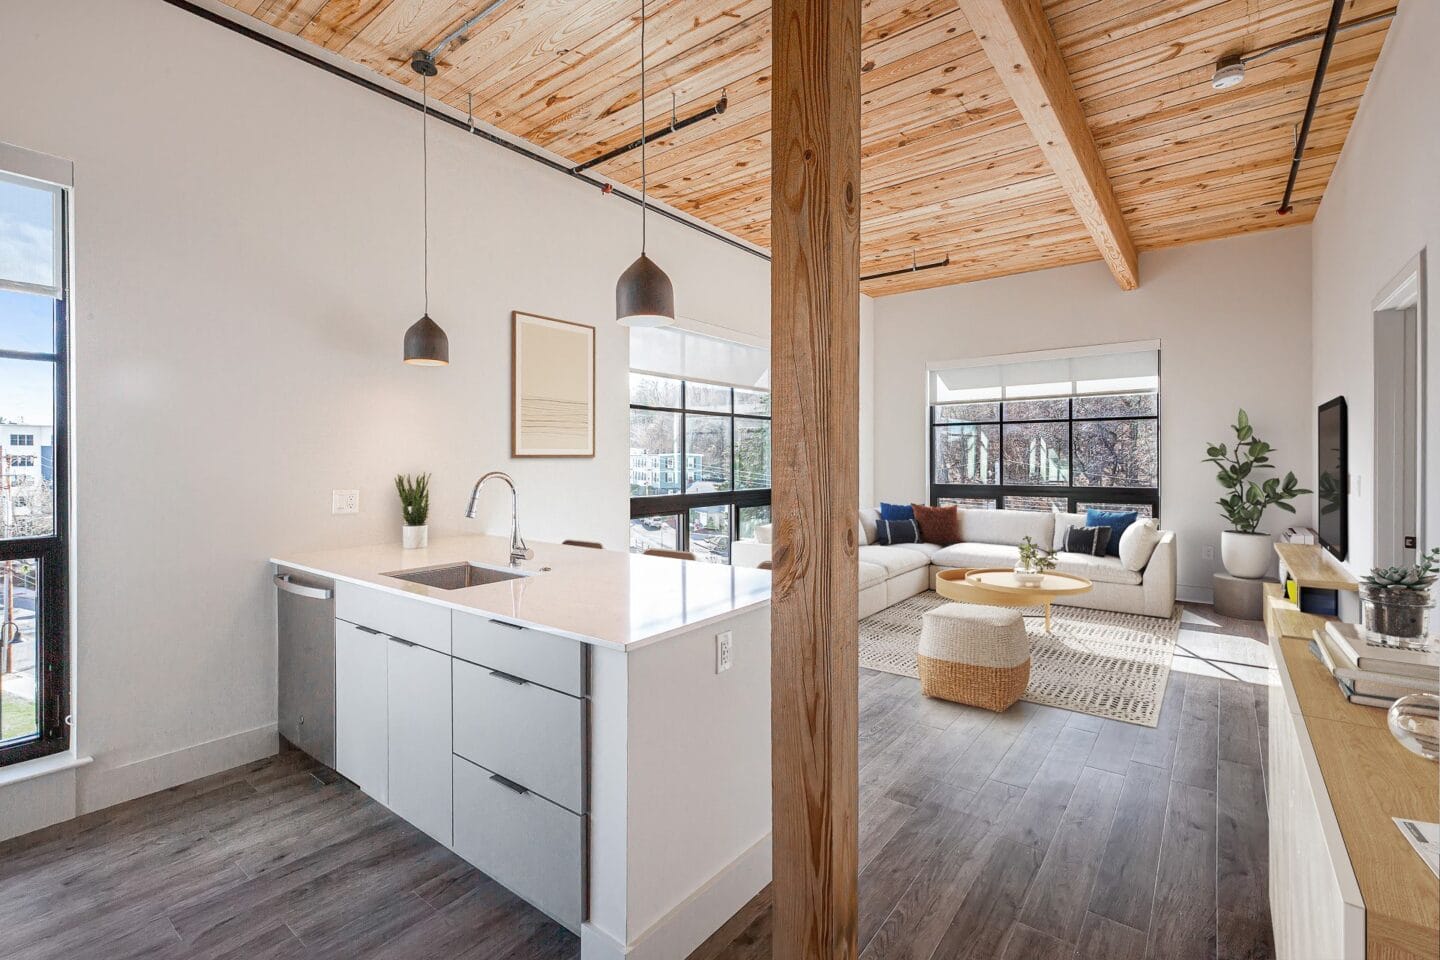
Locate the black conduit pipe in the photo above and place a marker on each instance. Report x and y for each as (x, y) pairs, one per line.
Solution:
(400, 98)
(1330, 30)
(674, 126)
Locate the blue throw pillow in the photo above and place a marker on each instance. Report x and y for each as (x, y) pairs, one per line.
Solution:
(897, 511)
(1116, 520)
(890, 532)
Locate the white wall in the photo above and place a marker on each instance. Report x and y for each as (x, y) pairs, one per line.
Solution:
(867, 400)
(1382, 207)
(1233, 318)
(247, 258)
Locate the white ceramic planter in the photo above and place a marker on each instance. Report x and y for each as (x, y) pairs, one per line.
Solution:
(415, 538)
(1246, 555)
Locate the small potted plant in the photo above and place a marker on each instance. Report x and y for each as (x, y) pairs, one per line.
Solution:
(1034, 563)
(1244, 549)
(1395, 602)
(414, 508)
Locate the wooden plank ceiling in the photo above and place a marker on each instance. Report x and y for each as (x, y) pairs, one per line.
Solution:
(949, 165)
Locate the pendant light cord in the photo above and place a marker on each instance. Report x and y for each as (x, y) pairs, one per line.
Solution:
(644, 201)
(425, 178)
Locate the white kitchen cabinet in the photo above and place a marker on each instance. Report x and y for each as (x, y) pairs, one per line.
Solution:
(419, 737)
(362, 751)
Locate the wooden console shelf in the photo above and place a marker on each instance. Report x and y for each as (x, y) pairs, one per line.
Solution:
(1344, 883)
(1315, 569)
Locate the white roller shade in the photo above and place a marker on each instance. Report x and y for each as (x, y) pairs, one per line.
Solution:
(30, 236)
(1032, 376)
(673, 352)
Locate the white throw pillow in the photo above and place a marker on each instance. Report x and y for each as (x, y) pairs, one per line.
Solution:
(868, 516)
(1063, 523)
(1137, 543)
(764, 532)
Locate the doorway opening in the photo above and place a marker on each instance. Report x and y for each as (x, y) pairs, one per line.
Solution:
(1399, 327)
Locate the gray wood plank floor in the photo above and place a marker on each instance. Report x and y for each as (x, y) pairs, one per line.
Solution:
(1028, 835)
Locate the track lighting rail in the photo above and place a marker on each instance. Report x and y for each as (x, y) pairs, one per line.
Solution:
(675, 125)
(913, 268)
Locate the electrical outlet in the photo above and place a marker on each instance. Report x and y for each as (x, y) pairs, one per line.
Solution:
(344, 501)
(723, 651)
(1207, 552)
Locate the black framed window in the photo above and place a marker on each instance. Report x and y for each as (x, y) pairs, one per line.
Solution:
(34, 471)
(1061, 453)
(699, 465)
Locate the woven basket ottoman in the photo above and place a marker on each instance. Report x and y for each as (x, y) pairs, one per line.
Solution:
(975, 655)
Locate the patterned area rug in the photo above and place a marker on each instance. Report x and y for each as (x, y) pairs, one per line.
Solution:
(1113, 665)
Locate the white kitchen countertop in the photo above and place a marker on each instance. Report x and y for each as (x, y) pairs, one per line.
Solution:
(602, 597)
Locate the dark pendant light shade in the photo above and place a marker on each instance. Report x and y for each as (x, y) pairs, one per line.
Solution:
(644, 297)
(426, 344)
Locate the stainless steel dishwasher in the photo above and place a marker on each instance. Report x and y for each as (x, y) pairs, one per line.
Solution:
(305, 630)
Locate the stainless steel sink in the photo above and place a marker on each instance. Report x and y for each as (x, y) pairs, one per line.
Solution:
(456, 576)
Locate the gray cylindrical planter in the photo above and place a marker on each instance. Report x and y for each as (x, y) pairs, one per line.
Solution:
(1395, 613)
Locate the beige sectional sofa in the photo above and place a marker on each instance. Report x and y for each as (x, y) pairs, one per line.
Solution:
(991, 538)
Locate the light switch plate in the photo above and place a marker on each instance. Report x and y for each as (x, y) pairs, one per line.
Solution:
(344, 501)
(724, 651)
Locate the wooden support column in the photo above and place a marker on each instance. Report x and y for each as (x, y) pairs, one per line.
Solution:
(815, 351)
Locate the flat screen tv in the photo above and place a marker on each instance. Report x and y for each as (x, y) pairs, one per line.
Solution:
(1331, 477)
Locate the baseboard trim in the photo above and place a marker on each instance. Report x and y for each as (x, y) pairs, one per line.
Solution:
(99, 786)
(1188, 594)
(685, 927)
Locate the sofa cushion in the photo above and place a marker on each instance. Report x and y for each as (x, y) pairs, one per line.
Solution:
(1063, 522)
(871, 574)
(889, 532)
(895, 560)
(1007, 526)
(1091, 540)
(976, 555)
(1105, 569)
(896, 511)
(1116, 520)
(1137, 543)
(868, 516)
(928, 549)
(938, 525)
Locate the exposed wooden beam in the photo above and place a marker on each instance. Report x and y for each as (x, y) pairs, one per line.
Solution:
(815, 357)
(1017, 38)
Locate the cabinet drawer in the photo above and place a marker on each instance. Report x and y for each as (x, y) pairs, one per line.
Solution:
(543, 658)
(413, 620)
(526, 843)
(523, 731)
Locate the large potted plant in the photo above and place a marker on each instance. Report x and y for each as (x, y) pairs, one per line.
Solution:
(1395, 601)
(415, 509)
(1244, 548)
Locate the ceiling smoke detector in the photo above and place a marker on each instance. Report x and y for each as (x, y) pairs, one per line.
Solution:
(1229, 72)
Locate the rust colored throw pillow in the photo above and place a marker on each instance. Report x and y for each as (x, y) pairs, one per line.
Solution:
(938, 525)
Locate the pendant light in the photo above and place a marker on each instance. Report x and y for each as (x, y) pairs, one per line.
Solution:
(644, 297)
(425, 343)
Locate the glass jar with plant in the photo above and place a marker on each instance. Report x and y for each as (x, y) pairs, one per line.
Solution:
(1244, 548)
(1395, 602)
(1034, 563)
(414, 509)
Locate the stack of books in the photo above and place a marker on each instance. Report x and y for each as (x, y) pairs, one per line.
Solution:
(1371, 675)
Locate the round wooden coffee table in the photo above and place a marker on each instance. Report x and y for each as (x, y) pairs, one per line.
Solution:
(997, 587)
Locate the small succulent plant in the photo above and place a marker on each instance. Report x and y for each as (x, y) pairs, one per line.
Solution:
(414, 498)
(1418, 576)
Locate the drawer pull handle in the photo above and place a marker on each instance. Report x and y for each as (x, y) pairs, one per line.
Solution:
(510, 678)
(406, 643)
(509, 784)
(502, 623)
(373, 633)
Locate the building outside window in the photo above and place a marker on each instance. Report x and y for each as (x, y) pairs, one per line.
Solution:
(699, 465)
(1048, 432)
(34, 377)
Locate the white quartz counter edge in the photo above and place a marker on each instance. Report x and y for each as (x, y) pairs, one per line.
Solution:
(517, 621)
